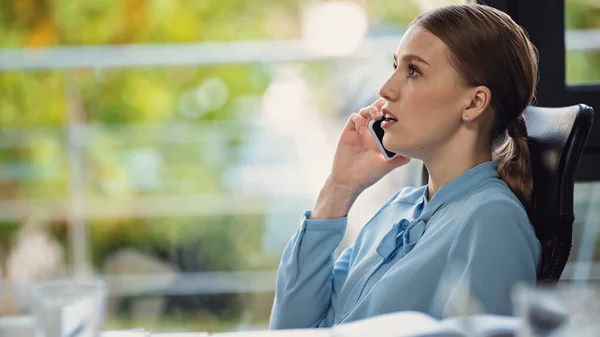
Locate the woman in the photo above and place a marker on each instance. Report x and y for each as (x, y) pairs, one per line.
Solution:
(463, 77)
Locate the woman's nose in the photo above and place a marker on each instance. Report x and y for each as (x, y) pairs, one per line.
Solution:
(388, 90)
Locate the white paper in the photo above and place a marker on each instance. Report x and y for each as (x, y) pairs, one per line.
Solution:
(400, 324)
(483, 325)
(181, 334)
(279, 333)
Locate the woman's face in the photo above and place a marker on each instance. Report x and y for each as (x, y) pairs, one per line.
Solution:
(425, 94)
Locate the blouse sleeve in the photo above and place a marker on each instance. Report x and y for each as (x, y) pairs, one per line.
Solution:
(308, 280)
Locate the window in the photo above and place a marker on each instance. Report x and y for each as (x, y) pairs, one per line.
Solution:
(582, 37)
(584, 262)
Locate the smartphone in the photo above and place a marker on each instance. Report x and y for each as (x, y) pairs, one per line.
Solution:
(377, 132)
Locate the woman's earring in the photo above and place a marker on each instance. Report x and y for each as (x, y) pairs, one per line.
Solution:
(466, 118)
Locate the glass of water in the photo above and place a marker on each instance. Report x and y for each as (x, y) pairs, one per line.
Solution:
(69, 308)
(558, 311)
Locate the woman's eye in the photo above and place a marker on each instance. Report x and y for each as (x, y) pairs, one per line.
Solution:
(395, 66)
(412, 71)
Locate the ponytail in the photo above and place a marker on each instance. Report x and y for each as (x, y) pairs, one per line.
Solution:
(514, 162)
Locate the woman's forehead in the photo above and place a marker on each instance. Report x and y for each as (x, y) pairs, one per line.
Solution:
(424, 44)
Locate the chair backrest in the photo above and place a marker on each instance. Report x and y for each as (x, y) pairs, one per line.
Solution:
(556, 138)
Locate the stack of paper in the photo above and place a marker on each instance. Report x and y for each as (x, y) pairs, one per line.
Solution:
(279, 333)
(401, 324)
(181, 334)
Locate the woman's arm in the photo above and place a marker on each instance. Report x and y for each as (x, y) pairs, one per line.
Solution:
(308, 281)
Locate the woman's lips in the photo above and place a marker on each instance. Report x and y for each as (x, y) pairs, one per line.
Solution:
(387, 113)
(388, 119)
(386, 124)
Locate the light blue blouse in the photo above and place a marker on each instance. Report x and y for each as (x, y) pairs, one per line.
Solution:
(472, 238)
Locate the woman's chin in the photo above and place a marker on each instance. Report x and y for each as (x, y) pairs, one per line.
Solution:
(394, 148)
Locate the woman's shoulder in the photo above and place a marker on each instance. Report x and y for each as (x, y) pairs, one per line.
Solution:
(489, 205)
(493, 196)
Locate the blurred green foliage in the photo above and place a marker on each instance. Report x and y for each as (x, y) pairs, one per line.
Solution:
(133, 113)
(117, 100)
(582, 67)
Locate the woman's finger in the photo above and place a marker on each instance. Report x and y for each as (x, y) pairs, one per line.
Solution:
(398, 161)
(379, 103)
(359, 122)
(371, 112)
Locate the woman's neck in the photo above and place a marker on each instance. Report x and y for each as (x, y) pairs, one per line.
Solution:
(444, 169)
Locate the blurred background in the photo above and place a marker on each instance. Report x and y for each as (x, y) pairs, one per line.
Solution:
(170, 147)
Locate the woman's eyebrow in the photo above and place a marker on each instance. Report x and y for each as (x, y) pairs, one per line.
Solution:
(409, 58)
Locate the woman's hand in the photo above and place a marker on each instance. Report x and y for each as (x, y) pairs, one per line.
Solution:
(357, 165)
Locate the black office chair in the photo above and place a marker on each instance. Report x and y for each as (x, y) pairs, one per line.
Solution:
(557, 137)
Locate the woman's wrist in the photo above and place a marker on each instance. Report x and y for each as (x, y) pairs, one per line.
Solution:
(334, 201)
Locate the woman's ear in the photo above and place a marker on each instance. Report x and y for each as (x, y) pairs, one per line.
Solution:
(478, 101)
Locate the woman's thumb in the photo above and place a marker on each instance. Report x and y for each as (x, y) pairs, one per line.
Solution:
(398, 161)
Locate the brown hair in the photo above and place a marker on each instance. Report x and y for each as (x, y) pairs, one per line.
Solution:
(489, 49)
